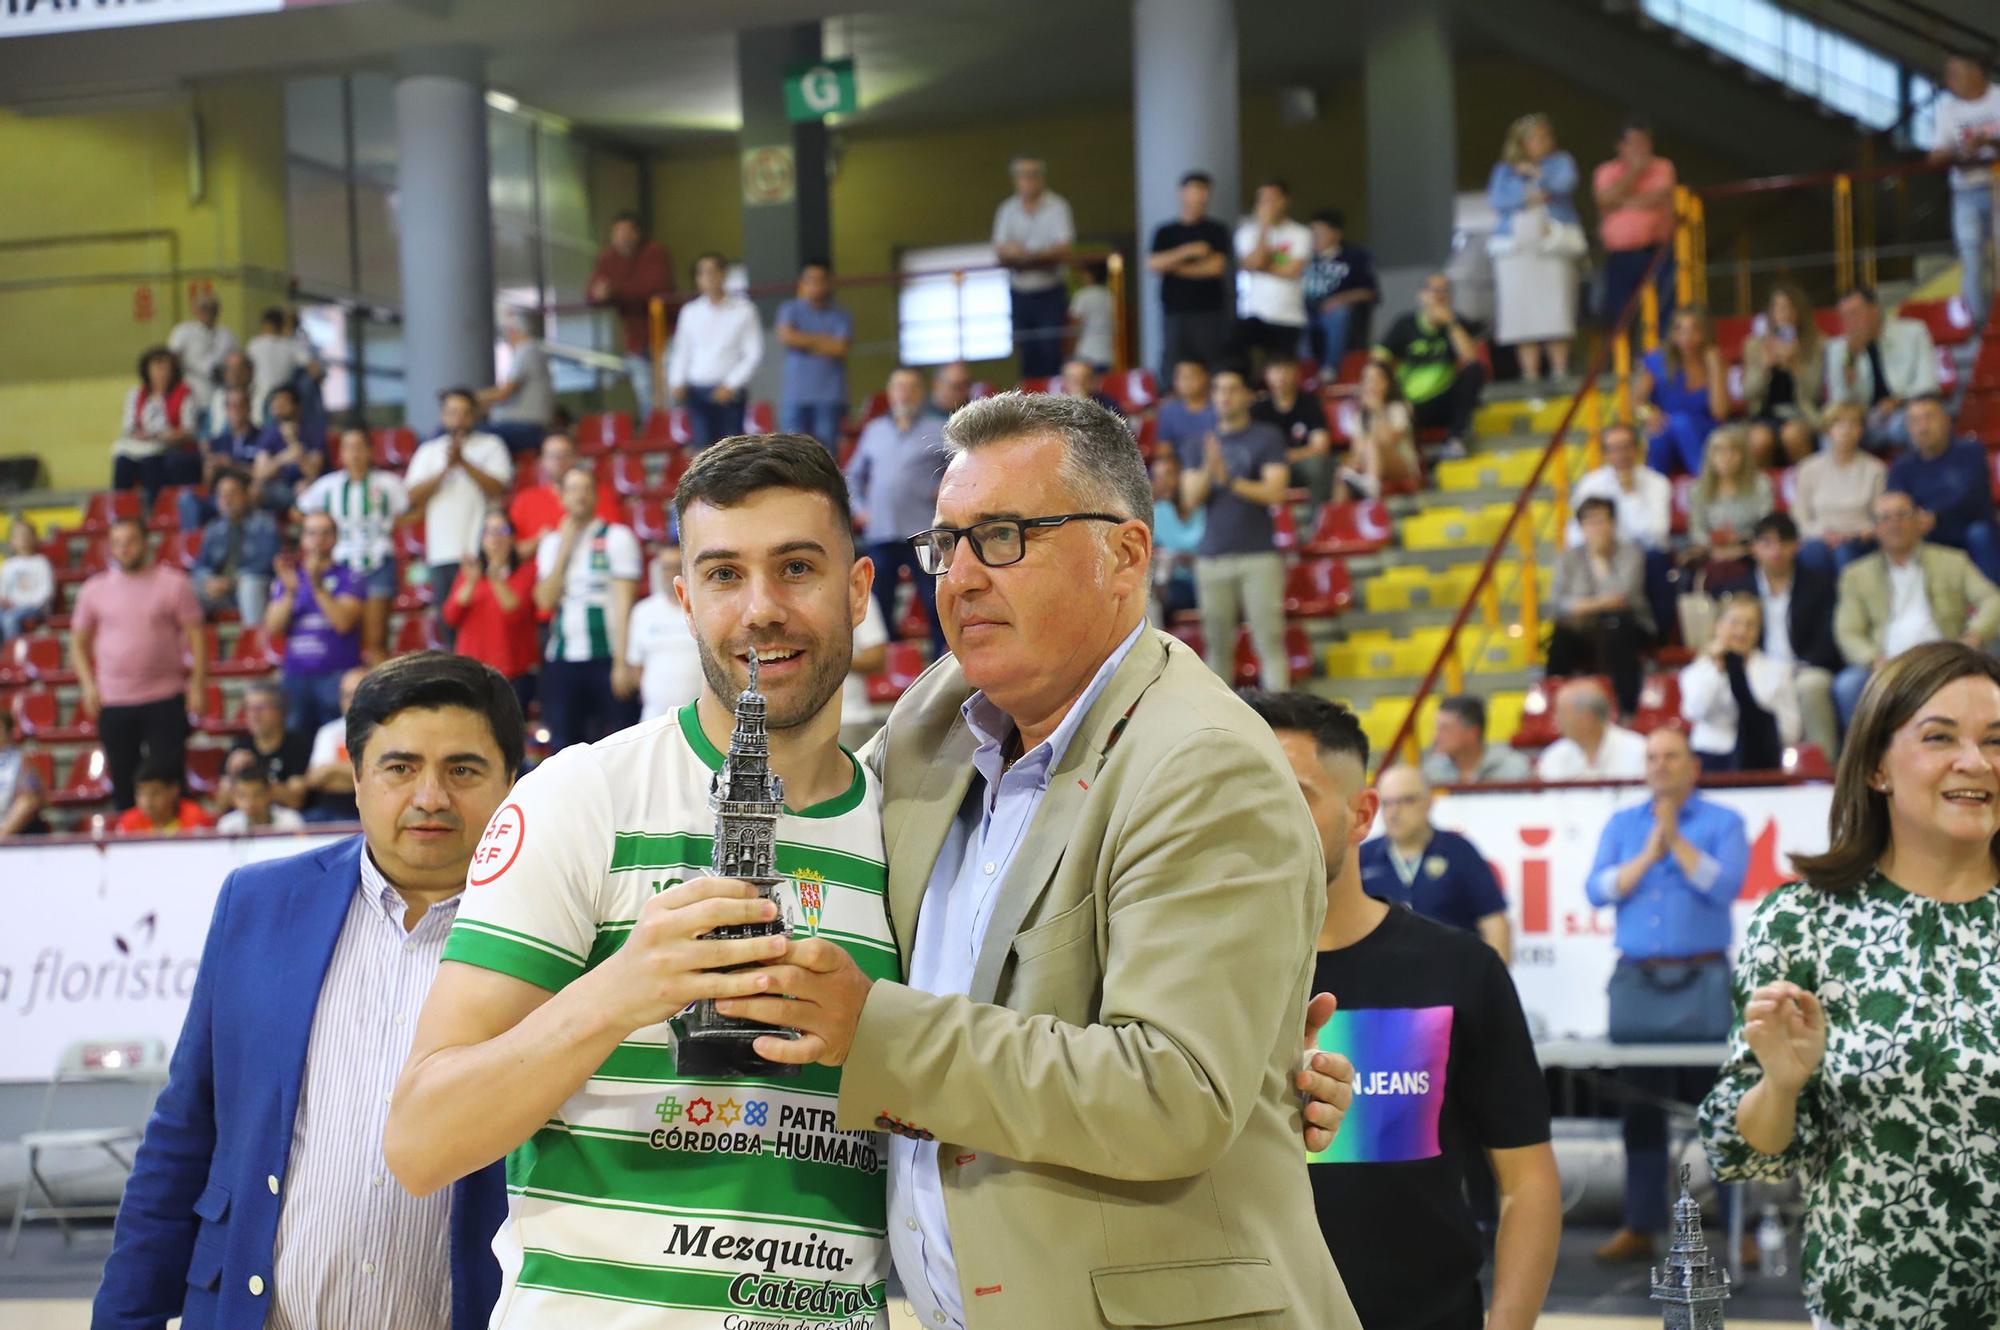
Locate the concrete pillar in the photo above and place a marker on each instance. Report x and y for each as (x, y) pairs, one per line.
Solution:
(444, 226)
(1410, 105)
(1184, 116)
(778, 236)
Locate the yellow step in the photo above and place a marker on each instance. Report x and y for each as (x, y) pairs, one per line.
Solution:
(1521, 417)
(1508, 470)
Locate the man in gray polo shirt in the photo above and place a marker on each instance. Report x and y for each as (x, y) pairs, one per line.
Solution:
(1032, 233)
(1235, 473)
(892, 482)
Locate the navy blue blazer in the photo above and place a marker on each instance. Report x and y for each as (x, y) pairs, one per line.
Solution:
(199, 1220)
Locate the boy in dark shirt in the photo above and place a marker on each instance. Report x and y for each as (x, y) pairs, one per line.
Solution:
(1442, 1065)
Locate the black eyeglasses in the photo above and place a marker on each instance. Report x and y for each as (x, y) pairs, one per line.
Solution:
(995, 542)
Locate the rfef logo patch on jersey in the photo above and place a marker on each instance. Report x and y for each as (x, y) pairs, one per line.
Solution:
(499, 846)
(811, 886)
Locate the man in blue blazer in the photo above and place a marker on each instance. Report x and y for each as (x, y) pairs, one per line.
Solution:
(259, 1195)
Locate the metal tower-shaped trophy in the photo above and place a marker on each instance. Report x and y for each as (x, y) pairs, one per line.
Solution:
(746, 797)
(1691, 1283)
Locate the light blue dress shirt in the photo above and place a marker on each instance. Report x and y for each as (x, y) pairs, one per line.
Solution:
(951, 927)
(1671, 915)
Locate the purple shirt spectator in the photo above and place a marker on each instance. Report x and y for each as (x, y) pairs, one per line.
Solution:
(311, 645)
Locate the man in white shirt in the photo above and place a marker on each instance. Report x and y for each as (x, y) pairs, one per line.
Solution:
(661, 657)
(1880, 364)
(329, 773)
(1968, 136)
(1643, 498)
(202, 343)
(520, 407)
(275, 360)
(1591, 747)
(1272, 251)
(1905, 594)
(717, 346)
(587, 575)
(453, 479)
(1032, 235)
(365, 505)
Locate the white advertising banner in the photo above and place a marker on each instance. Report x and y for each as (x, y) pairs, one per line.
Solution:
(102, 941)
(39, 18)
(1542, 845)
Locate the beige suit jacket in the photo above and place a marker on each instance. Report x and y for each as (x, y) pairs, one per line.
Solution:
(1119, 1140)
(1961, 599)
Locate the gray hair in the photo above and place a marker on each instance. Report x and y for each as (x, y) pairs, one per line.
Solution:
(1589, 694)
(1100, 464)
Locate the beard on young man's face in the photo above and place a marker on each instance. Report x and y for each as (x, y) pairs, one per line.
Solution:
(793, 701)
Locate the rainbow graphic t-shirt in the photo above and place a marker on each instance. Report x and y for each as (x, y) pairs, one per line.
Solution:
(1399, 1057)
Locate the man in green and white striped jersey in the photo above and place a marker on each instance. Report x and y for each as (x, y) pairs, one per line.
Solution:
(364, 504)
(587, 574)
(638, 1197)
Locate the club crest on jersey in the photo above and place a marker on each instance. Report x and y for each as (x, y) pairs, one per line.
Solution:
(811, 887)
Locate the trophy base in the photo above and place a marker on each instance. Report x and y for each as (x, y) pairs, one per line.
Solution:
(727, 1057)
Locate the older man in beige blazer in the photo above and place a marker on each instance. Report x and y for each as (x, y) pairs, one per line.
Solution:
(1105, 889)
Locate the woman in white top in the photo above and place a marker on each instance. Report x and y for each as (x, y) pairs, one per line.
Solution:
(1093, 318)
(1836, 492)
(1740, 703)
(1383, 433)
(27, 581)
(1535, 246)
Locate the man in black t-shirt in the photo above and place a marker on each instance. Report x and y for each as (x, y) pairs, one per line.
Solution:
(1436, 362)
(1442, 1065)
(1191, 255)
(285, 756)
(1302, 420)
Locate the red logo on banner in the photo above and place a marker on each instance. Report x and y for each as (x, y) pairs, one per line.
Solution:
(500, 846)
(1766, 873)
(142, 304)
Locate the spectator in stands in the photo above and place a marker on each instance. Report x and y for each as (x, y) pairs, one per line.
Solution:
(892, 481)
(1382, 434)
(139, 649)
(27, 581)
(1439, 874)
(1730, 496)
(1437, 364)
(233, 569)
(587, 575)
(1635, 202)
(1968, 136)
(1032, 235)
(1080, 378)
(1302, 420)
(1682, 392)
(1339, 289)
(1400, 1230)
(316, 609)
(329, 772)
(1535, 246)
(1271, 252)
(1603, 616)
(491, 607)
(521, 408)
(659, 644)
(159, 807)
(233, 444)
(1798, 603)
(1191, 255)
(1177, 533)
(1879, 364)
(1593, 747)
(1740, 703)
(1185, 417)
(717, 347)
(1834, 493)
(1671, 867)
(1905, 594)
(1783, 379)
(1093, 319)
(284, 754)
(1641, 496)
(1233, 475)
(155, 440)
(250, 804)
(815, 333)
(290, 452)
(452, 479)
(236, 372)
(951, 388)
(365, 505)
(538, 509)
(631, 273)
(22, 794)
(1952, 481)
(202, 343)
(277, 359)
(1459, 752)
(871, 656)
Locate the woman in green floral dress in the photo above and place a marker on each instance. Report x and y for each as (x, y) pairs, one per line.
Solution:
(1866, 1056)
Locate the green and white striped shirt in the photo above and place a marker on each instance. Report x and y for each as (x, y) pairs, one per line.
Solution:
(364, 511)
(580, 629)
(650, 1199)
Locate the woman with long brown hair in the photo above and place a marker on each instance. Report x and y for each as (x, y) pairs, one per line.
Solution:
(1682, 393)
(1866, 1054)
(1782, 379)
